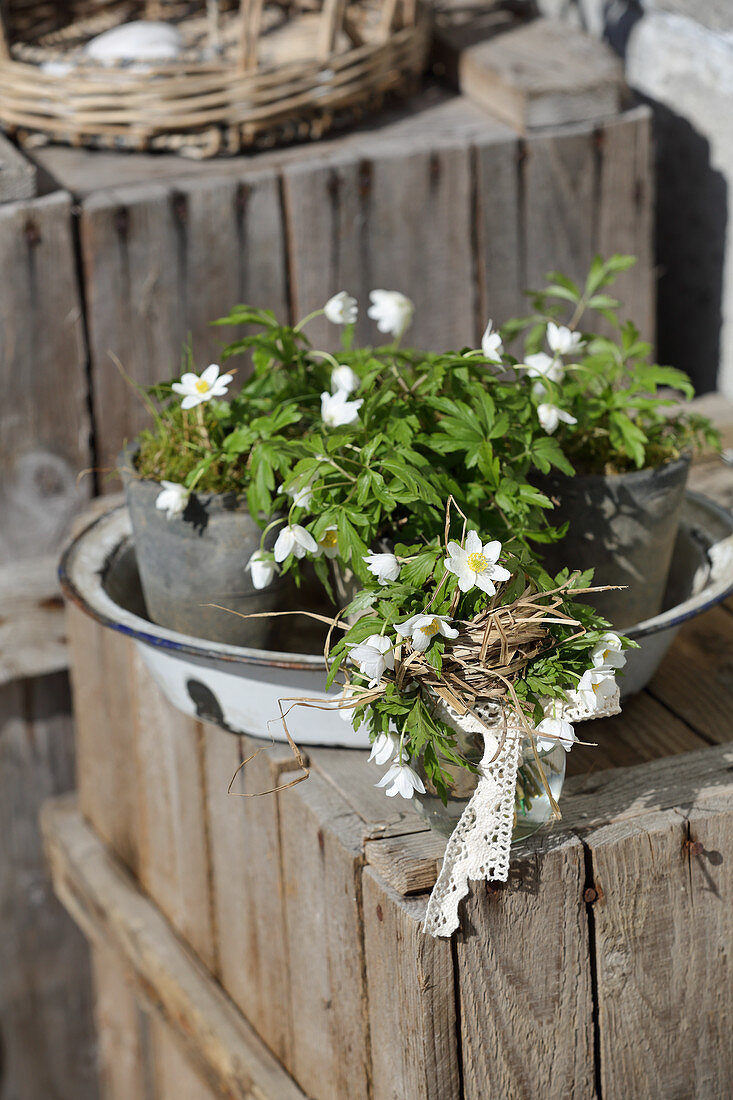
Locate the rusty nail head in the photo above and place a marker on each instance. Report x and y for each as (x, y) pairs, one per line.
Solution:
(590, 895)
(694, 847)
(380, 914)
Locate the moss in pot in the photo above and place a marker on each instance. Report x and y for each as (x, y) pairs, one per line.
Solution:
(626, 441)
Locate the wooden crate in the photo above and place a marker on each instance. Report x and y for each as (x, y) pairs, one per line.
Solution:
(444, 203)
(601, 968)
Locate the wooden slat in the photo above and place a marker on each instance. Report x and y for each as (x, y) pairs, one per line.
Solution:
(248, 902)
(122, 1030)
(399, 220)
(625, 215)
(321, 868)
(412, 1007)
(645, 730)
(32, 625)
(525, 981)
(175, 1078)
(160, 263)
(559, 203)
(17, 173)
(44, 429)
(410, 864)
(173, 849)
(662, 925)
(498, 247)
(46, 1028)
(695, 679)
(106, 768)
(110, 908)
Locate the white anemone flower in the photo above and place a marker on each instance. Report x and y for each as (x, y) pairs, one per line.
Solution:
(595, 687)
(423, 628)
(294, 540)
(196, 389)
(384, 567)
(384, 748)
(560, 732)
(608, 653)
(328, 543)
(562, 340)
(475, 565)
(491, 344)
(392, 311)
(336, 409)
(344, 378)
(403, 779)
(341, 309)
(349, 699)
(542, 365)
(301, 491)
(172, 499)
(262, 568)
(550, 416)
(373, 656)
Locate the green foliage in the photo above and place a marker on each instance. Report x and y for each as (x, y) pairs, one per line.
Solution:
(626, 408)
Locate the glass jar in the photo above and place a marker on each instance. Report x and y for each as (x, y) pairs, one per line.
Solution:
(532, 807)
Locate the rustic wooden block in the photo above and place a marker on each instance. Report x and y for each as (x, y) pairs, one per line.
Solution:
(536, 74)
(18, 175)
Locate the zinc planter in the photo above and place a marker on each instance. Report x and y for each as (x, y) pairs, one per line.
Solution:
(197, 559)
(623, 527)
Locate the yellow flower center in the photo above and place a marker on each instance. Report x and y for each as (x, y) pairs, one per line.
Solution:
(202, 386)
(477, 562)
(431, 628)
(329, 539)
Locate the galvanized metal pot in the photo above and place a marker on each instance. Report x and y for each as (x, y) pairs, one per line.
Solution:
(624, 528)
(198, 559)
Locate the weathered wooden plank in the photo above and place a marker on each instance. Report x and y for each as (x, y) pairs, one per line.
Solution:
(409, 864)
(525, 981)
(245, 881)
(321, 872)
(32, 626)
(412, 1006)
(175, 1078)
(363, 225)
(161, 262)
(624, 220)
(558, 207)
(173, 843)
(497, 230)
(17, 173)
(46, 1029)
(123, 1051)
(620, 794)
(645, 730)
(700, 656)
(44, 430)
(106, 768)
(662, 922)
(110, 908)
(354, 780)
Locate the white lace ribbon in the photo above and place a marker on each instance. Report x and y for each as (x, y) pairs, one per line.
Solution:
(480, 845)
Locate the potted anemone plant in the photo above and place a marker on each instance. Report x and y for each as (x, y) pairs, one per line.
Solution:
(617, 419)
(316, 466)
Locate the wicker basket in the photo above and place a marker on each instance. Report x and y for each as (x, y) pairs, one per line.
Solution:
(250, 74)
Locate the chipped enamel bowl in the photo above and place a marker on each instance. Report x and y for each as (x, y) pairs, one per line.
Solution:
(240, 689)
